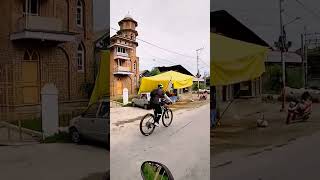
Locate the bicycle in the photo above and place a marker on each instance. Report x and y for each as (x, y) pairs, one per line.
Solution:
(149, 119)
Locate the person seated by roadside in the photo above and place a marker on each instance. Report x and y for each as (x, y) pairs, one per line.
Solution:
(306, 102)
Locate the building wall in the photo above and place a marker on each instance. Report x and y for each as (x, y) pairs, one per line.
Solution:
(227, 93)
(58, 63)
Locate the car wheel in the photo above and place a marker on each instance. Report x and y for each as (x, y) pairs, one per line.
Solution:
(75, 135)
(145, 106)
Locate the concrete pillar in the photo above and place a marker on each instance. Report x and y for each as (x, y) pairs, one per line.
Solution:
(49, 110)
(125, 96)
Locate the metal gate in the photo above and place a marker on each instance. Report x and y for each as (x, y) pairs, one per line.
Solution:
(11, 121)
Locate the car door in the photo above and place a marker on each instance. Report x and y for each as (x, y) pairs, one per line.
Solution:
(88, 121)
(102, 122)
(141, 100)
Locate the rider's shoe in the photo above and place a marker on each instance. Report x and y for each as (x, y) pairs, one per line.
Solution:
(156, 124)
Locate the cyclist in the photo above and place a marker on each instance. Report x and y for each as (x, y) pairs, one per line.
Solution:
(156, 96)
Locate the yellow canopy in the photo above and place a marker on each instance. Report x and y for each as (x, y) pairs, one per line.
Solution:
(178, 80)
(102, 84)
(234, 61)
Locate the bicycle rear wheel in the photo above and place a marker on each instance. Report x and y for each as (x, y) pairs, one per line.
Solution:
(167, 117)
(147, 124)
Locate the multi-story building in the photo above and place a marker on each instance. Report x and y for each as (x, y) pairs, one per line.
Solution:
(124, 64)
(45, 41)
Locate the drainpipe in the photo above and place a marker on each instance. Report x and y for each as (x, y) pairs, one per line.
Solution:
(26, 14)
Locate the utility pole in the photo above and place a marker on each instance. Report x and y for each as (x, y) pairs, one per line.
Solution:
(282, 45)
(198, 72)
(302, 54)
(205, 79)
(305, 63)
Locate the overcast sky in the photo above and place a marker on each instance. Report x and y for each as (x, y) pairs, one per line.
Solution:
(262, 16)
(180, 25)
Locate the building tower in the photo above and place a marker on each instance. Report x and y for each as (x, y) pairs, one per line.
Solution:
(124, 63)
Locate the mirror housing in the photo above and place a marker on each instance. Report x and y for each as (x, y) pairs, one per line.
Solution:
(151, 170)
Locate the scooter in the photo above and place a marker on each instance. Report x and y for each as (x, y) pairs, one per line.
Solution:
(203, 96)
(151, 170)
(297, 114)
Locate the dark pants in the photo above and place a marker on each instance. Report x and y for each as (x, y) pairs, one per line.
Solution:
(157, 112)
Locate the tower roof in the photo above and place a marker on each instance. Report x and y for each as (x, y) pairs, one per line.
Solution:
(127, 18)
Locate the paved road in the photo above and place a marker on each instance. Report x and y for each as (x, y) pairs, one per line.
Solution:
(297, 160)
(184, 147)
(52, 162)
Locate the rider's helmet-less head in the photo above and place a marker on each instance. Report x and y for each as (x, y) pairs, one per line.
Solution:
(160, 86)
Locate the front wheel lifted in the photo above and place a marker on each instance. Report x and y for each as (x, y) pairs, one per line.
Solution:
(147, 124)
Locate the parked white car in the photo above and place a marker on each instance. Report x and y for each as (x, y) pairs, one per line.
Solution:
(143, 100)
(93, 124)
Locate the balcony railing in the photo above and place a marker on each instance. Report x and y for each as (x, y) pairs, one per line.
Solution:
(122, 69)
(122, 54)
(40, 23)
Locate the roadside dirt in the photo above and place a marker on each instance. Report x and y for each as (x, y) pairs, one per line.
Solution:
(124, 115)
(238, 130)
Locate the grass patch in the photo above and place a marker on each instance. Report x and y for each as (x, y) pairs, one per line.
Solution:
(33, 124)
(150, 173)
(128, 105)
(61, 137)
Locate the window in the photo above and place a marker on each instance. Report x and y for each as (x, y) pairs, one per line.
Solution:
(31, 7)
(79, 17)
(104, 110)
(80, 58)
(121, 50)
(135, 83)
(31, 55)
(144, 96)
(120, 63)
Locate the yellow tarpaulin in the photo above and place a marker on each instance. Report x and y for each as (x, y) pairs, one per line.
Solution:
(234, 61)
(178, 80)
(102, 84)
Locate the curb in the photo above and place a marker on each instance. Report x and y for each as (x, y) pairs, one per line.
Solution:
(18, 143)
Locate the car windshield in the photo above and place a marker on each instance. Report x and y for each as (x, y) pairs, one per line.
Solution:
(144, 96)
(104, 110)
(92, 110)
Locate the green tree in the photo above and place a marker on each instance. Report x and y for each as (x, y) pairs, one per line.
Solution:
(274, 78)
(154, 71)
(195, 86)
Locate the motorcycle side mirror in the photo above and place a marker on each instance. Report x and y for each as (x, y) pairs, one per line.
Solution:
(155, 171)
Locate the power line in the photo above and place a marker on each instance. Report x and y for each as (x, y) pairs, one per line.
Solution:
(308, 9)
(171, 61)
(160, 60)
(174, 52)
